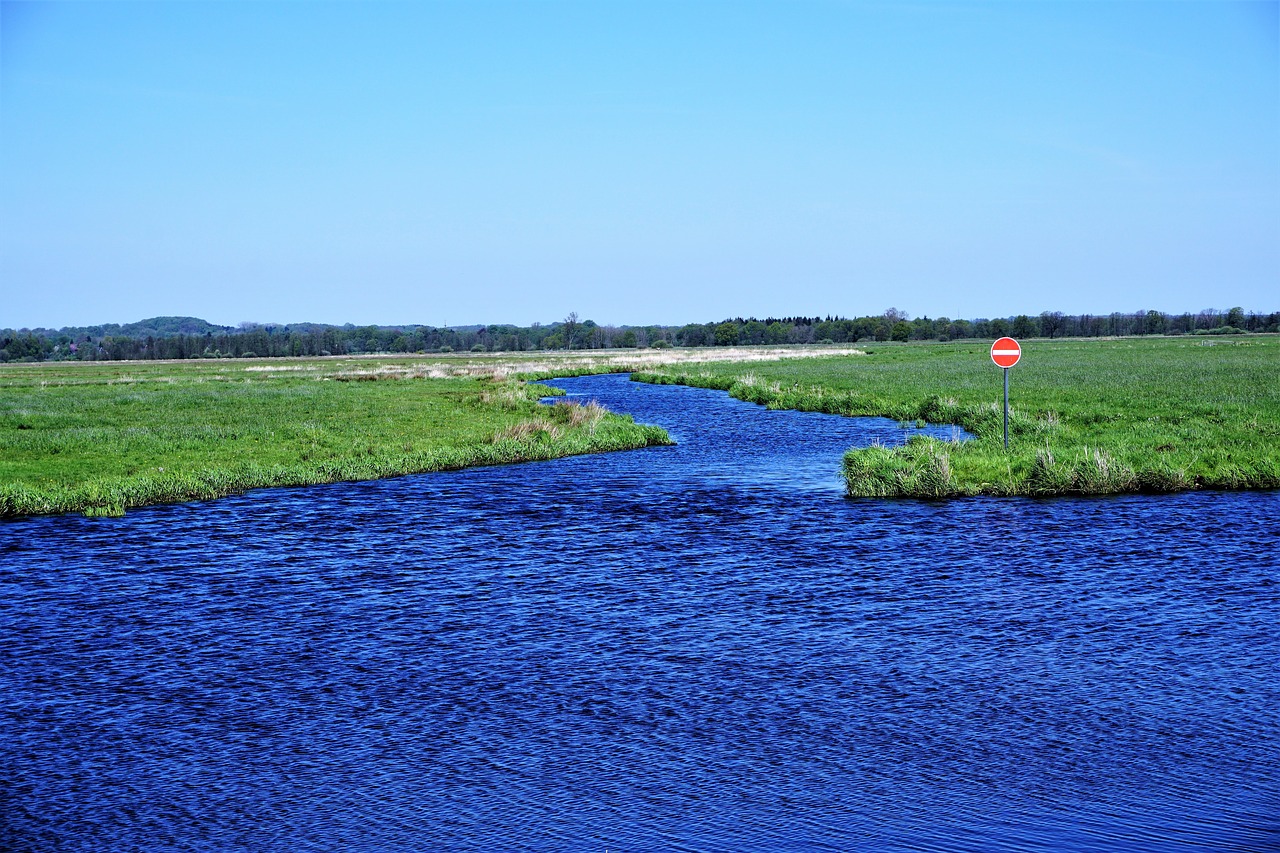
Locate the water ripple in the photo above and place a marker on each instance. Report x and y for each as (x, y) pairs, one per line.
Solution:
(698, 648)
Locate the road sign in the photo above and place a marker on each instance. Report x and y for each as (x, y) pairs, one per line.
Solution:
(1006, 352)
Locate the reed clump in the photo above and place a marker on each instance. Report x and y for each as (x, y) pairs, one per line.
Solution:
(588, 415)
(921, 468)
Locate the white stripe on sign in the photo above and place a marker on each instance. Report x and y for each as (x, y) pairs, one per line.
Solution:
(1006, 352)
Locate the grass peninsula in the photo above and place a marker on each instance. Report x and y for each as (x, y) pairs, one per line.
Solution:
(102, 437)
(1088, 416)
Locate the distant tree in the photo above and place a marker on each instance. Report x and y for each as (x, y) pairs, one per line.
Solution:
(726, 334)
(776, 333)
(901, 331)
(694, 335)
(801, 333)
(922, 329)
(1051, 324)
(570, 328)
(1155, 323)
(1209, 318)
(1024, 327)
(829, 330)
(26, 347)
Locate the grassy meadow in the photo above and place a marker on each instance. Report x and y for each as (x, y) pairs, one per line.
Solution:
(100, 438)
(1086, 416)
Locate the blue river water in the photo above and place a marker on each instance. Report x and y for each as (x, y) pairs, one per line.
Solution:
(694, 648)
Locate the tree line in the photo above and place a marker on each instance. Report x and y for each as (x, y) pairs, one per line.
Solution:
(186, 337)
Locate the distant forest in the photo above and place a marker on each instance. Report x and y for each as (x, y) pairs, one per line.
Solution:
(188, 337)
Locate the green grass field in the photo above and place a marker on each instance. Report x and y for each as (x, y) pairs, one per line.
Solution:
(99, 438)
(1088, 416)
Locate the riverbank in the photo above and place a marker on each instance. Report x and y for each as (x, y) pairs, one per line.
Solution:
(100, 438)
(1087, 417)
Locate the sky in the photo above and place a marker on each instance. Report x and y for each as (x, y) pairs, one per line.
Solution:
(449, 163)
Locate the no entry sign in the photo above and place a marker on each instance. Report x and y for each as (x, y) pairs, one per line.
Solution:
(1006, 352)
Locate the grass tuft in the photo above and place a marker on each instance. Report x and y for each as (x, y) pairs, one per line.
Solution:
(922, 468)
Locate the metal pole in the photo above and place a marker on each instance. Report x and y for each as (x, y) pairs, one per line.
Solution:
(1006, 408)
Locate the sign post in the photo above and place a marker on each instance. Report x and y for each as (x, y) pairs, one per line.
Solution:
(1005, 353)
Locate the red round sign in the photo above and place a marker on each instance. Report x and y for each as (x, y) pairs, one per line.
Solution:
(1006, 352)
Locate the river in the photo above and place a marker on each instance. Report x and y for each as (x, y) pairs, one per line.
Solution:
(703, 647)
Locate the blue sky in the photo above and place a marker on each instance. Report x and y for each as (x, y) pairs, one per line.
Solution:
(635, 162)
